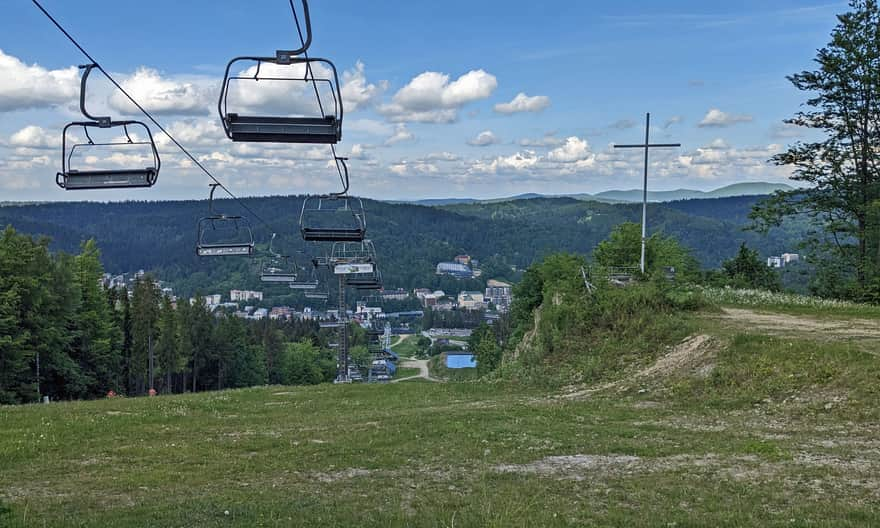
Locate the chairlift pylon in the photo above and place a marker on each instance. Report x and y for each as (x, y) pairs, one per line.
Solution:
(242, 246)
(103, 178)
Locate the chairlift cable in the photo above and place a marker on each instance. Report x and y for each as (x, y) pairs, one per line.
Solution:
(315, 86)
(146, 113)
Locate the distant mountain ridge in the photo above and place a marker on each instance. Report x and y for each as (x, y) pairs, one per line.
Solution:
(631, 195)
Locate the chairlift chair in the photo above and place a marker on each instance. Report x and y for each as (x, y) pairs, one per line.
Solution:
(362, 252)
(366, 281)
(276, 267)
(208, 224)
(334, 217)
(323, 128)
(103, 178)
(305, 280)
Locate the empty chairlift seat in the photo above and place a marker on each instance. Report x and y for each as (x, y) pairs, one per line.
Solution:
(315, 111)
(124, 156)
(332, 219)
(277, 267)
(221, 235)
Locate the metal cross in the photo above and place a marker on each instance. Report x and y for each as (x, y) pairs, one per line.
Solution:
(647, 145)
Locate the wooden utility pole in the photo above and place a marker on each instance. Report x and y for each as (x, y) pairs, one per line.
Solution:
(647, 145)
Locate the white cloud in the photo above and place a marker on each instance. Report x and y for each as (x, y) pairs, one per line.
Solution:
(284, 94)
(357, 93)
(715, 118)
(523, 103)
(549, 140)
(402, 168)
(442, 156)
(515, 162)
(35, 137)
(358, 152)
(193, 132)
(23, 86)
(431, 98)
(483, 139)
(368, 126)
(574, 149)
(401, 134)
(719, 160)
(163, 95)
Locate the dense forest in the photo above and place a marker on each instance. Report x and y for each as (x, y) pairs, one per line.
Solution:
(63, 335)
(506, 237)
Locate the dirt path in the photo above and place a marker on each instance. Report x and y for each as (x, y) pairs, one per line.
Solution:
(400, 339)
(802, 326)
(687, 355)
(421, 364)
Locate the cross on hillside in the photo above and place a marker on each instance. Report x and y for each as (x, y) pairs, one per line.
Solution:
(647, 145)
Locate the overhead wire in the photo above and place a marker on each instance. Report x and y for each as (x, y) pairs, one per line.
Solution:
(311, 72)
(150, 116)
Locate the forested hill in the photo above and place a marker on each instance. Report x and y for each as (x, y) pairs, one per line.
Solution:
(411, 239)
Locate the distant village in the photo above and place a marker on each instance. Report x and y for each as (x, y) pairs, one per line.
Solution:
(494, 300)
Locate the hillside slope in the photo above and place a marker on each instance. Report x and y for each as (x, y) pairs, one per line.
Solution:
(411, 239)
(737, 424)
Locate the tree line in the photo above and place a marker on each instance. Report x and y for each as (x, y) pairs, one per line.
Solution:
(66, 336)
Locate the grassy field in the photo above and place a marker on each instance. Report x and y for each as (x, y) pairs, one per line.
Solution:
(405, 372)
(406, 347)
(740, 425)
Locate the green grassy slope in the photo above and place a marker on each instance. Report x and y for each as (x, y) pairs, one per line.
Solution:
(746, 424)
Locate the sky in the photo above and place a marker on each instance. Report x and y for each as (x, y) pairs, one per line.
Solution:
(442, 99)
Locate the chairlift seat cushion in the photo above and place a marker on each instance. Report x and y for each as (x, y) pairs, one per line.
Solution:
(284, 129)
(225, 250)
(320, 234)
(277, 277)
(109, 179)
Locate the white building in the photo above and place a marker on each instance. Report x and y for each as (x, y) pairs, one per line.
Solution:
(471, 300)
(499, 294)
(775, 262)
(788, 258)
(455, 269)
(245, 295)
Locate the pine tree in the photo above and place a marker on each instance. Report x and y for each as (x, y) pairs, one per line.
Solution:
(168, 344)
(144, 329)
(838, 175)
(93, 346)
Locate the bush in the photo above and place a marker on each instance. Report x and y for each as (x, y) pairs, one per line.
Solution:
(575, 335)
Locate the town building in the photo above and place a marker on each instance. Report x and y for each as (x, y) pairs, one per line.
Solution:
(471, 300)
(431, 299)
(463, 259)
(499, 294)
(245, 295)
(394, 295)
(454, 269)
(775, 262)
(281, 312)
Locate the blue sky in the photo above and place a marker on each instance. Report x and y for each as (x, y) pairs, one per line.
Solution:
(432, 92)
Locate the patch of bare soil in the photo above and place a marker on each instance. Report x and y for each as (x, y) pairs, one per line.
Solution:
(692, 354)
(739, 467)
(802, 326)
